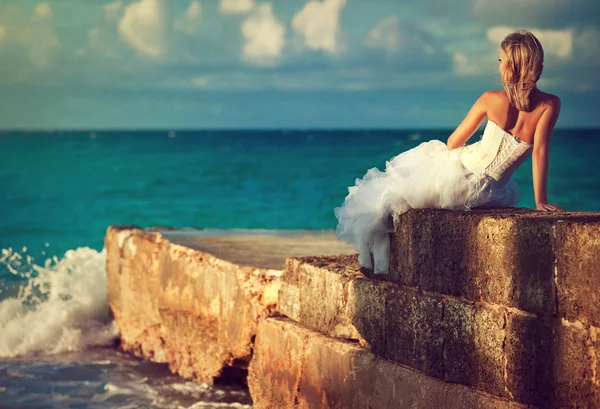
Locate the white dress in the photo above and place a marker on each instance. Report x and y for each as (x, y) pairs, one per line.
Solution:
(429, 176)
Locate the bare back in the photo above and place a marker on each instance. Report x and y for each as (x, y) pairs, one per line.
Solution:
(534, 127)
(519, 123)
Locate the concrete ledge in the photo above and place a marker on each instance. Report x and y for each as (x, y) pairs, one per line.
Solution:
(497, 349)
(514, 257)
(480, 308)
(134, 290)
(317, 291)
(294, 367)
(182, 306)
(174, 302)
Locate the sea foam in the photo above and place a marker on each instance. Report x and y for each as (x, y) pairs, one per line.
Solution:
(61, 306)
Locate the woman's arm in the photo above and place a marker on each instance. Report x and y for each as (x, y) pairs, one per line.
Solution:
(540, 155)
(470, 124)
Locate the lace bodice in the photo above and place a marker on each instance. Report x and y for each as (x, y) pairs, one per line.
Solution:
(497, 154)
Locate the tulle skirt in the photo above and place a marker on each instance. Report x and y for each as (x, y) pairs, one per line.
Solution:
(427, 176)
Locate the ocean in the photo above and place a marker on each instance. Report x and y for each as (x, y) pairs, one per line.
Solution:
(61, 190)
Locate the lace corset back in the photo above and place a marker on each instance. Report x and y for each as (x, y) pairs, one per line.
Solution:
(497, 154)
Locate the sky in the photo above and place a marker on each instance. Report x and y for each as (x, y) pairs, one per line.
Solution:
(211, 64)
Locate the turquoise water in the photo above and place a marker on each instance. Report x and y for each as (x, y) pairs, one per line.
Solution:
(60, 191)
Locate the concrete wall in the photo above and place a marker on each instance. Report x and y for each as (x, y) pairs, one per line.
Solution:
(481, 309)
(183, 306)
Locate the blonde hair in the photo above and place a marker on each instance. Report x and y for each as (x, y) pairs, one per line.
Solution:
(523, 67)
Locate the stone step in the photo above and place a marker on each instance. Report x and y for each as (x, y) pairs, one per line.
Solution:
(494, 348)
(540, 262)
(294, 367)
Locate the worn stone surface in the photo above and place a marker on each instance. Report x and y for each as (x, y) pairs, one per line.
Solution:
(442, 336)
(178, 304)
(294, 367)
(315, 291)
(413, 330)
(577, 254)
(267, 249)
(501, 256)
(276, 367)
(133, 279)
(504, 301)
(475, 338)
(550, 363)
(447, 337)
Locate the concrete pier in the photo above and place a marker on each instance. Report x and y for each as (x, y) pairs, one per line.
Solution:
(480, 309)
(193, 298)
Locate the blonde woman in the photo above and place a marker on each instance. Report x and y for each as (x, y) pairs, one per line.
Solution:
(520, 122)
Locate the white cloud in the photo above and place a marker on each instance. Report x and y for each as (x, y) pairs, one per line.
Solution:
(385, 34)
(43, 46)
(318, 23)
(101, 41)
(235, 6)
(555, 42)
(42, 11)
(238, 81)
(264, 35)
(543, 14)
(190, 22)
(200, 82)
(406, 43)
(36, 34)
(337, 78)
(3, 31)
(461, 65)
(94, 34)
(467, 65)
(145, 26)
(587, 42)
(530, 6)
(112, 11)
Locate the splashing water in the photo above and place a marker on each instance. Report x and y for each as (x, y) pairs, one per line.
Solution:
(54, 320)
(59, 307)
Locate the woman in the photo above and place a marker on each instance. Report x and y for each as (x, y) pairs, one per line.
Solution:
(520, 121)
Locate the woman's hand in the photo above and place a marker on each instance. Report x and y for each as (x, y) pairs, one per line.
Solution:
(547, 207)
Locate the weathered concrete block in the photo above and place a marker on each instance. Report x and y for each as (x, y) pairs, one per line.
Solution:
(133, 279)
(180, 305)
(474, 345)
(442, 336)
(551, 364)
(367, 311)
(289, 301)
(311, 280)
(501, 256)
(482, 345)
(577, 255)
(294, 367)
(414, 330)
(277, 363)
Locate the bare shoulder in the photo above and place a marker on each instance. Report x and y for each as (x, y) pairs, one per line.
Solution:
(494, 94)
(549, 101)
(490, 98)
(549, 107)
(494, 97)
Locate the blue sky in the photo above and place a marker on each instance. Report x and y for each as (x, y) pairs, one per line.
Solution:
(181, 64)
